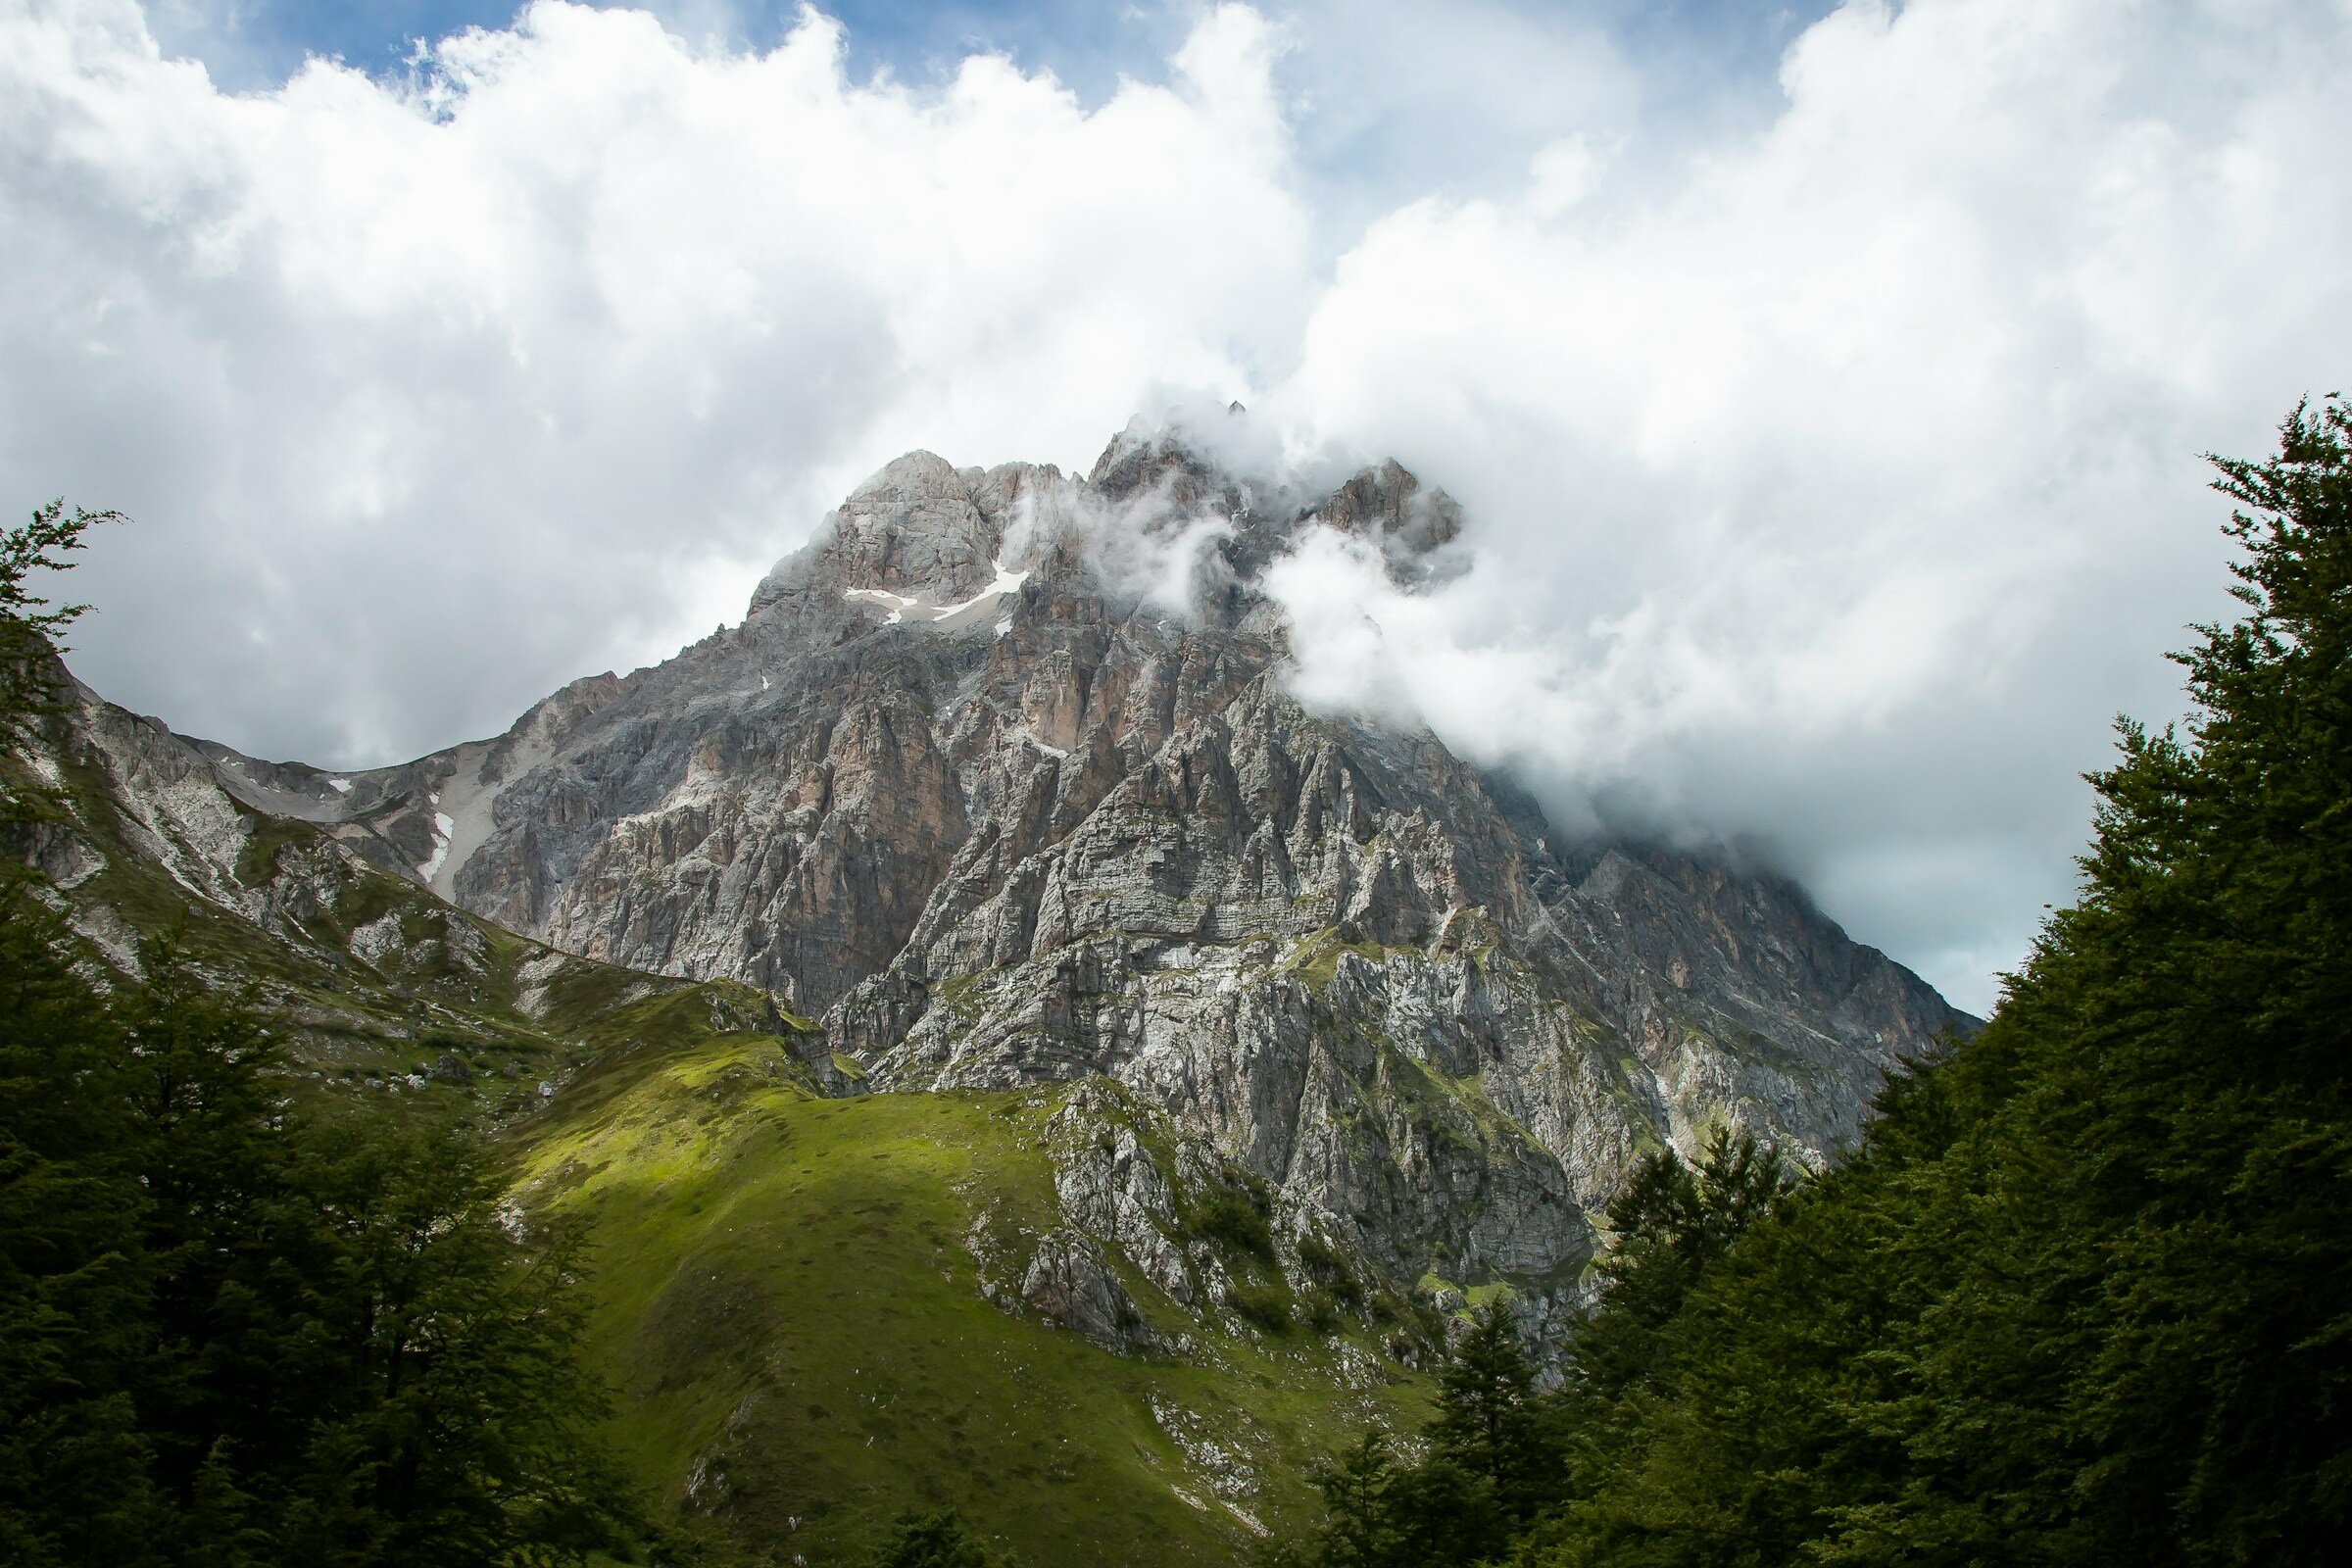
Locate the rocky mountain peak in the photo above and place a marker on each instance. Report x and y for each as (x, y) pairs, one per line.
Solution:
(1167, 460)
(1411, 525)
(1001, 777)
(921, 539)
(918, 528)
(915, 525)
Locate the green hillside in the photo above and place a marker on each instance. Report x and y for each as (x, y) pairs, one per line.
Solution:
(791, 1308)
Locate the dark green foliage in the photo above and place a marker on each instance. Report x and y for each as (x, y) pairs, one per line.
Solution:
(231, 1336)
(1489, 1422)
(1357, 1530)
(1324, 1265)
(1266, 1306)
(1668, 1224)
(1320, 1260)
(937, 1541)
(73, 1282)
(1384, 1511)
(1236, 1217)
(469, 1419)
(1492, 1460)
(1498, 1454)
(1335, 1291)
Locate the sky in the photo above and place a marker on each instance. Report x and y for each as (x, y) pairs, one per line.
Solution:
(1826, 385)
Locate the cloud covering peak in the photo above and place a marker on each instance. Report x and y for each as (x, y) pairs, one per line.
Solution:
(1826, 483)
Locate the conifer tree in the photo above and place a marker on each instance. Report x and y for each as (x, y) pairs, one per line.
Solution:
(233, 1335)
(74, 1282)
(938, 1539)
(1492, 1423)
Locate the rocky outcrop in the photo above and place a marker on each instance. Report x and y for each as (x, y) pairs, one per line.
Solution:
(999, 775)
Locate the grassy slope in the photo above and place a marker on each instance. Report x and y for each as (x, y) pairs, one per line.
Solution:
(800, 1343)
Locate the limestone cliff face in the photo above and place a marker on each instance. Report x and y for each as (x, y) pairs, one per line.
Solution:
(1000, 777)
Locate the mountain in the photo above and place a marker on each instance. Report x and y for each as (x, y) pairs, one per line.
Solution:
(1015, 1053)
(999, 777)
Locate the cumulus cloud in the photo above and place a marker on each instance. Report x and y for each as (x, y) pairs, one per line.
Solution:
(1831, 465)
(429, 392)
(1837, 495)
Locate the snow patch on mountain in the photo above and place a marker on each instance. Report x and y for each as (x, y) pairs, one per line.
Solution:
(916, 607)
(443, 827)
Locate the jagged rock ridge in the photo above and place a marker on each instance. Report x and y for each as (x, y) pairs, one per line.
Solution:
(999, 775)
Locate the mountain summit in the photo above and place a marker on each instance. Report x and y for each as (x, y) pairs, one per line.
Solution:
(999, 777)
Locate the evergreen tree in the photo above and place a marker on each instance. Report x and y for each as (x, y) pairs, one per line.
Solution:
(938, 1539)
(74, 1281)
(1491, 1462)
(1357, 1531)
(1491, 1424)
(208, 1144)
(1668, 1224)
(236, 1337)
(1485, 1392)
(463, 1426)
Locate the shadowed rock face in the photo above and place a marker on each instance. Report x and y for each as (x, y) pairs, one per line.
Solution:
(1000, 777)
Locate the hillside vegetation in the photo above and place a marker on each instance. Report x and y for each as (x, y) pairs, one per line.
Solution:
(794, 1304)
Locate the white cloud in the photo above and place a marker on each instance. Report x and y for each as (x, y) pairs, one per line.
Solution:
(524, 365)
(1838, 494)
(1832, 477)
